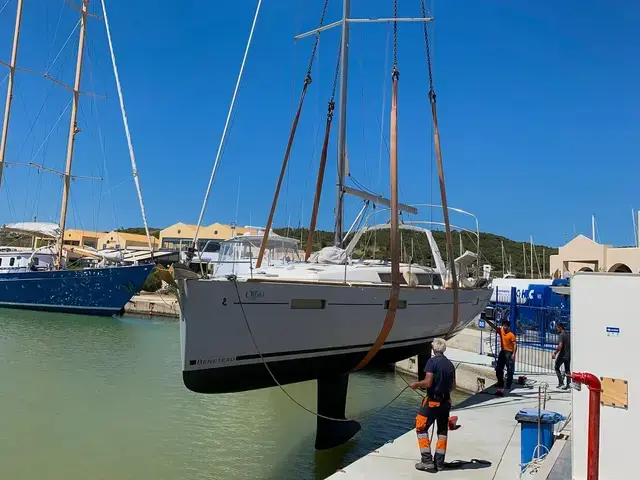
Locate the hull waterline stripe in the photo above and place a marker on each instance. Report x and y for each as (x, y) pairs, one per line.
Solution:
(331, 349)
(54, 306)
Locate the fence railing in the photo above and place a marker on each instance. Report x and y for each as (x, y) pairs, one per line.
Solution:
(535, 330)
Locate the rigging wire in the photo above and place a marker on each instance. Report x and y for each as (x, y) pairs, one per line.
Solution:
(103, 167)
(226, 125)
(292, 134)
(132, 156)
(46, 73)
(55, 34)
(4, 6)
(323, 158)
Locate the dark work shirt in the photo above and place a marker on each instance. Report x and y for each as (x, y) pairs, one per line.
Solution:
(565, 351)
(444, 375)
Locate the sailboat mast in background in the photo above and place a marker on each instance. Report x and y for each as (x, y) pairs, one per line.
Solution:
(342, 123)
(531, 242)
(12, 72)
(73, 128)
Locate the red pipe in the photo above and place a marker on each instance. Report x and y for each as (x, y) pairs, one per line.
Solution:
(593, 448)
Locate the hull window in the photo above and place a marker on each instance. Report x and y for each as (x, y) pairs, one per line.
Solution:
(308, 304)
(401, 304)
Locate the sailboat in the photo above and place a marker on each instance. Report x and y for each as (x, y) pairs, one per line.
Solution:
(271, 322)
(37, 278)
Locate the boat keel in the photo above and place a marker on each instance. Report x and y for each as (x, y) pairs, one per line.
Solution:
(423, 358)
(332, 401)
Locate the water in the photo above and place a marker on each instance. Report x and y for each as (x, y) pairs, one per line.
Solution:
(94, 398)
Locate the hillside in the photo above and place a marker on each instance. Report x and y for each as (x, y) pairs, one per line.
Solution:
(155, 232)
(490, 248)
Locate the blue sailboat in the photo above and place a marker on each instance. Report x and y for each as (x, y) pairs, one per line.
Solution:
(39, 277)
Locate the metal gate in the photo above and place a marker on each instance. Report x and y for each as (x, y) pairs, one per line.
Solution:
(535, 330)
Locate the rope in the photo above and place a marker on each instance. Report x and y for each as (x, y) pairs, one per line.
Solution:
(226, 126)
(233, 279)
(393, 168)
(443, 191)
(134, 167)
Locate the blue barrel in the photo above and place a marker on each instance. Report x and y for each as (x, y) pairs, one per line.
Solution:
(528, 420)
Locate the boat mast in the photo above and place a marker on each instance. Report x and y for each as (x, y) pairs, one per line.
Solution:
(342, 123)
(12, 72)
(73, 128)
(531, 248)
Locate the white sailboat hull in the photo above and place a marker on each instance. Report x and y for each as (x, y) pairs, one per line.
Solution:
(304, 330)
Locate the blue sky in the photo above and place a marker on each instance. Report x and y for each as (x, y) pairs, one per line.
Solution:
(538, 109)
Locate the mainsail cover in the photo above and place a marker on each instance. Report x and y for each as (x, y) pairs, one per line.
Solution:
(40, 229)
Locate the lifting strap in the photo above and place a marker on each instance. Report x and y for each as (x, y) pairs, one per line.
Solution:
(323, 162)
(292, 135)
(443, 191)
(393, 174)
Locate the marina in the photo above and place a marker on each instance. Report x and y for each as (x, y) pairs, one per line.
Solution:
(352, 312)
(103, 398)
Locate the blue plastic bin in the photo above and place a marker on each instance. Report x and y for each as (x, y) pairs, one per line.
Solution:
(528, 420)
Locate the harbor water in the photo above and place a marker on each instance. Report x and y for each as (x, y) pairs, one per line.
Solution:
(102, 398)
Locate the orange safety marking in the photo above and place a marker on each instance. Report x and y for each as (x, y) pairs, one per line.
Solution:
(421, 422)
(424, 443)
(441, 445)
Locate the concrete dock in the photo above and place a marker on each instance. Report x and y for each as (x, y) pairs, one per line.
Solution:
(489, 432)
(158, 304)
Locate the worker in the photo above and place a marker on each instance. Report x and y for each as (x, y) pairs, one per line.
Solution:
(439, 381)
(506, 357)
(562, 356)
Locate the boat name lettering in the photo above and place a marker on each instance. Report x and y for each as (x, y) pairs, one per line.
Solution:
(254, 294)
(209, 361)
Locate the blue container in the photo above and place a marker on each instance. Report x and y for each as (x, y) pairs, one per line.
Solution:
(528, 420)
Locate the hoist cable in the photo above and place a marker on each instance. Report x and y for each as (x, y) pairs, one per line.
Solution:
(394, 294)
(443, 191)
(323, 160)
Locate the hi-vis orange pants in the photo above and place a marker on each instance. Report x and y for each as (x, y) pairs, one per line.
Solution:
(433, 411)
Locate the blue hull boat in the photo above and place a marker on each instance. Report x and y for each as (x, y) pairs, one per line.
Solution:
(92, 291)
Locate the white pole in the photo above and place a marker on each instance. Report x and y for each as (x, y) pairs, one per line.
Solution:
(593, 228)
(226, 125)
(12, 72)
(635, 229)
(127, 132)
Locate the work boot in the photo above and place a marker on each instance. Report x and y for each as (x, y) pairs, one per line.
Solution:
(439, 461)
(426, 467)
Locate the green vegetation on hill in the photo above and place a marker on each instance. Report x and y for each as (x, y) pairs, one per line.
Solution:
(155, 232)
(377, 245)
